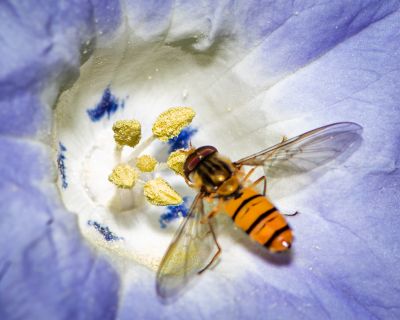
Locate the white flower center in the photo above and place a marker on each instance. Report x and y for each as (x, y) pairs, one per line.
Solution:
(143, 80)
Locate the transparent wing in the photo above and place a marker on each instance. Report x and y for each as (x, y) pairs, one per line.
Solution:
(306, 151)
(189, 252)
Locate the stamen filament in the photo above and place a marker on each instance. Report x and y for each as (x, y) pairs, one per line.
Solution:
(162, 166)
(140, 148)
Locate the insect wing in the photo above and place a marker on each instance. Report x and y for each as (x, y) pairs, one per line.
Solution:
(189, 252)
(306, 151)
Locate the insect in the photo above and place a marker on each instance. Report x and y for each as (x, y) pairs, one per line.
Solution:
(195, 246)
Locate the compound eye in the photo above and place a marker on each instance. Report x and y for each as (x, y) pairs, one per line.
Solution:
(191, 163)
(195, 158)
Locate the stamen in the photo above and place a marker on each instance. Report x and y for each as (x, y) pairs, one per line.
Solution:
(171, 122)
(168, 125)
(127, 132)
(141, 147)
(159, 193)
(124, 176)
(146, 163)
(176, 160)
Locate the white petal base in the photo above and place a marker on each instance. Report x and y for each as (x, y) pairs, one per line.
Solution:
(149, 77)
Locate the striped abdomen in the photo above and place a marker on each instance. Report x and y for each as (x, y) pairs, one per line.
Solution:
(258, 217)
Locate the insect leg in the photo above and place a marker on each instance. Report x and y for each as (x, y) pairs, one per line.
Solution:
(219, 250)
(247, 176)
(238, 166)
(290, 214)
(189, 183)
(212, 213)
(255, 183)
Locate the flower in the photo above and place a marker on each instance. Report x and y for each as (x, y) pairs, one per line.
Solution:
(254, 72)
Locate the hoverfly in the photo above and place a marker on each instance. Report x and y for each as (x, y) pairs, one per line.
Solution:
(195, 246)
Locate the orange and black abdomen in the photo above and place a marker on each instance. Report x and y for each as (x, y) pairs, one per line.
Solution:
(259, 218)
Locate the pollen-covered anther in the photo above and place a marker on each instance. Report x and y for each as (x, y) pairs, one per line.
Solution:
(159, 193)
(171, 122)
(127, 132)
(176, 160)
(124, 176)
(146, 163)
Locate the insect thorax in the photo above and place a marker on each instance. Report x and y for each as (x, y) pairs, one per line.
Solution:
(215, 174)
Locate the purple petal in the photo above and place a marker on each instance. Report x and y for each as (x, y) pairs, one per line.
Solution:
(40, 44)
(46, 271)
(346, 252)
(293, 35)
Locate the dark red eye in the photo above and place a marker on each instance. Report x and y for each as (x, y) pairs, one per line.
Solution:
(196, 158)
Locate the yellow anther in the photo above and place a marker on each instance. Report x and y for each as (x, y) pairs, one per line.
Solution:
(146, 163)
(124, 176)
(159, 193)
(171, 122)
(176, 160)
(127, 132)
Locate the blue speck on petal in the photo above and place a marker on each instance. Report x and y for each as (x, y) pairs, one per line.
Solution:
(174, 212)
(108, 104)
(61, 165)
(104, 230)
(182, 140)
